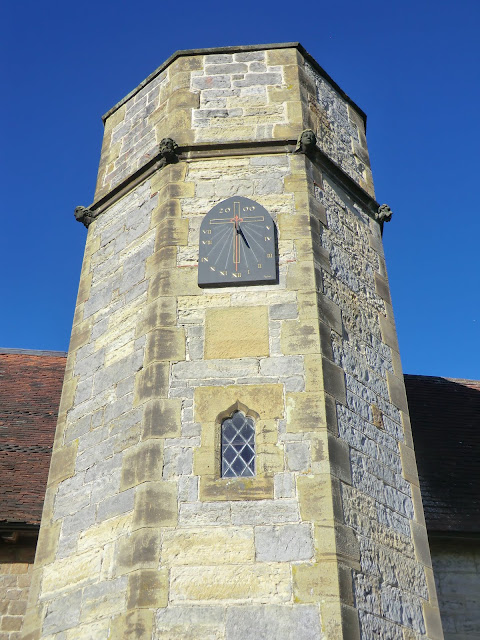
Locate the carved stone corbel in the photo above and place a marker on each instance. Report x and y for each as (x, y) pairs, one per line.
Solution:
(382, 215)
(84, 215)
(306, 143)
(168, 150)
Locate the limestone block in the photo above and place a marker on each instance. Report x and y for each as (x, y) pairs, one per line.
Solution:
(334, 380)
(105, 532)
(300, 337)
(105, 598)
(305, 412)
(291, 227)
(320, 499)
(159, 313)
(264, 512)
(266, 582)
(171, 173)
(313, 582)
(142, 463)
(166, 343)
(62, 465)
(173, 282)
(147, 588)
(190, 623)
(134, 625)
(138, 550)
(396, 390)
(47, 543)
(265, 399)
(284, 543)
(171, 232)
(382, 288)
(409, 464)
(301, 276)
(72, 572)
(214, 488)
(207, 546)
(420, 540)
(162, 418)
(272, 621)
(151, 383)
(155, 505)
(236, 332)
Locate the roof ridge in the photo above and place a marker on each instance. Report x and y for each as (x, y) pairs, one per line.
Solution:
(33, 352)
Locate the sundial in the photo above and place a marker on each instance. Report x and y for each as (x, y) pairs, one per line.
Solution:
(237, 245)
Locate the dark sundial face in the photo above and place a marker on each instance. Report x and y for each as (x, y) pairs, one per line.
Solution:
(237, 245)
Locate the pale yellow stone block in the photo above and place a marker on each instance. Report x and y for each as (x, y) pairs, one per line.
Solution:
(305, 412)
(301, 276)
(159, 313)
(313, 372)
(236, 332)
(62, 465)
(106, 532)
(300, 337)
(313, 582)
(206, 301)
(47, 543)
(142, 463)
(256, 583)
(155, 505)
(162, 418)
(137, 624)
(213, 488)
(320, 499)
(147, 589)
(71, 572)
(265, 399)
(165, 343)
(294, 226)
(138, 550)
(208, 546)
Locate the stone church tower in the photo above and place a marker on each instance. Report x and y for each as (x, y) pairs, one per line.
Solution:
(234, 460)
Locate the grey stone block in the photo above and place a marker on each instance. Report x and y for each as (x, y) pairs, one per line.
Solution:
(63, 613)
(231, 67)
(252, 79)
(298, 456)
(284, 543)
(268, 622)
(282, 366)
(116, 505)
(264, 512)
(283, 311)
(284, 485)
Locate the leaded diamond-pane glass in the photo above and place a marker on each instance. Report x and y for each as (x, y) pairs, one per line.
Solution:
(238, 446)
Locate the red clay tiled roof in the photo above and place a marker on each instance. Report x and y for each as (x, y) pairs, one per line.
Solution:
(30, 387)
(445, 416)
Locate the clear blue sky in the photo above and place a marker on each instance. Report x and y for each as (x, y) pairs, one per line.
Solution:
(413, 66)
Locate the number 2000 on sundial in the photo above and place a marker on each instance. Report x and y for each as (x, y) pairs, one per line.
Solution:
(237, 245)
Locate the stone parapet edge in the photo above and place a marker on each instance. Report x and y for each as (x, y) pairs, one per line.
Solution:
(238, 49)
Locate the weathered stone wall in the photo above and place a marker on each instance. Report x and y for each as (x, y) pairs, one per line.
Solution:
(456, 564)
(247, 95)
(14, 585)
(382, 502)
(140, 535)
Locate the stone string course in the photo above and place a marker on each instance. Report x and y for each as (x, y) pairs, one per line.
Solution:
(140, 538)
